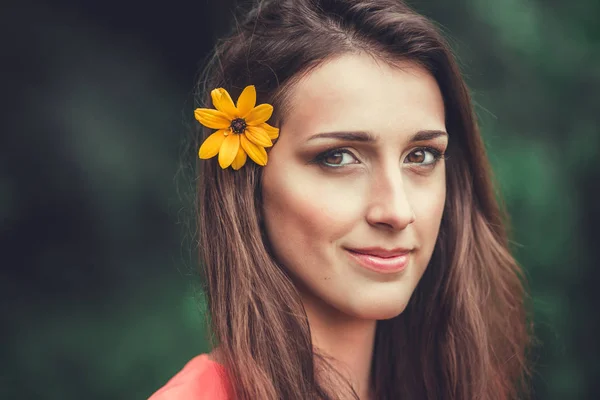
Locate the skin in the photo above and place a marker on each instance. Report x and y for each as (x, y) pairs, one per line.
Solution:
(384, 193)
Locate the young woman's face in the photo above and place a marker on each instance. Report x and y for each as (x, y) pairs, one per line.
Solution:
(354, 189)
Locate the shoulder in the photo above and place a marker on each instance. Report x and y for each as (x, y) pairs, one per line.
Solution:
(200, 379)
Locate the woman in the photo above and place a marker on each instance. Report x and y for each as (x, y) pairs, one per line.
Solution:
(364, 255)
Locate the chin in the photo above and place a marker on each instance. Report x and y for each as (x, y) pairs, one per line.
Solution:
(379, 309)
(385, 312)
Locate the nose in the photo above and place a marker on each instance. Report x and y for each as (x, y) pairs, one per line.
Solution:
(389, 205)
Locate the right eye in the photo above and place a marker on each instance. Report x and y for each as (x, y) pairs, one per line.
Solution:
(336, 158)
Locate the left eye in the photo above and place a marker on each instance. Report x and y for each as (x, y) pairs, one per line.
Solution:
(422, 157)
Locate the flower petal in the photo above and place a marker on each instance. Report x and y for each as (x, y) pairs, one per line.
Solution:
(222, 102)
(229, 150)
(213, 119)
(258, 136)
(212, 144)
(259, 114)
(272, 132)
(246, 101)
(239, 160)
(256, 153)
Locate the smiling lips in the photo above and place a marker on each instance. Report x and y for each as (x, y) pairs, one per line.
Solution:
(381, 260)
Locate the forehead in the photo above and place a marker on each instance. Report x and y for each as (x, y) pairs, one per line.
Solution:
(357, 92)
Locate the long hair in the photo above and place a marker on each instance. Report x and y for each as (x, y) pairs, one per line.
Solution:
(464, 333)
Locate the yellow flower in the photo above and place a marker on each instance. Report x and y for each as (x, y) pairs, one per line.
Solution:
(242, 129)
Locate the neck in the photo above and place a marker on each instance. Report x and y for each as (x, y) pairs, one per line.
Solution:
(347, 342)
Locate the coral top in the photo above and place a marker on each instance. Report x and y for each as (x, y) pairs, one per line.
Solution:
(200, 379)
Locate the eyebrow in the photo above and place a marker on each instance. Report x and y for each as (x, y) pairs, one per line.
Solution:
(368, 137)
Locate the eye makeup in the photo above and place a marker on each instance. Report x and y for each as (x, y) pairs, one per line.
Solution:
(339, 157)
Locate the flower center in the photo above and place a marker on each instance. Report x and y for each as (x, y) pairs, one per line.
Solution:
(238, 125)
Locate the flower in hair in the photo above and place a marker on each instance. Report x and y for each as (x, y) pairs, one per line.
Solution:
(242, 129)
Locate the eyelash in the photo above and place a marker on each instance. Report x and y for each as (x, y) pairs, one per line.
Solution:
(320, 159)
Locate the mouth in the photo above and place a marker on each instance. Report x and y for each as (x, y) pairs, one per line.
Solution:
(381, 260)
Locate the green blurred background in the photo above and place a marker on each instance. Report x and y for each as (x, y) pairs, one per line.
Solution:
(99, 290)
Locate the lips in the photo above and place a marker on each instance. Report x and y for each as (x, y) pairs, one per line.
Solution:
(381, 260)
(380, 252)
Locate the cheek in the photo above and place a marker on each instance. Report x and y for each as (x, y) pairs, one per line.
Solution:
(428, 206)
(303, 216)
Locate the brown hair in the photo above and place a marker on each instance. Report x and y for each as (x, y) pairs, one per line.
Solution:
(463, 334)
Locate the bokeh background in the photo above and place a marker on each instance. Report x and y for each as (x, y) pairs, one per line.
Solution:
(99, 291)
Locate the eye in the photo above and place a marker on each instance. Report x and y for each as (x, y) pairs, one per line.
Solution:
(423, 156)
(336, 158)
